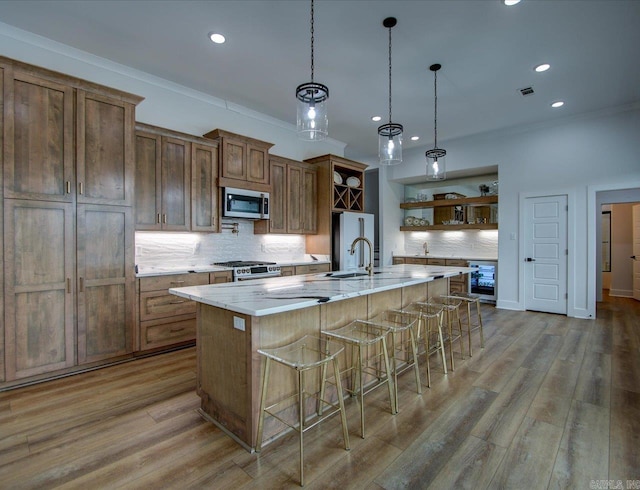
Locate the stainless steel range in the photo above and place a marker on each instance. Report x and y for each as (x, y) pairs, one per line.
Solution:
(247, 270)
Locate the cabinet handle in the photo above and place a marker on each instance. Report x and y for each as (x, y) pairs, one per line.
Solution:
(177, 302)
(68, 285)
(176, 330)
(177, 282)
(158, 218)
(81, 288)
(164, 218)
(68, 187)
(80, 188)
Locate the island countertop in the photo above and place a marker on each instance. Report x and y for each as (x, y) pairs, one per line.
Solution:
(280, 294)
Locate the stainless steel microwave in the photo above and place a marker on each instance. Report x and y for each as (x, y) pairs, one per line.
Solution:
(244, 203)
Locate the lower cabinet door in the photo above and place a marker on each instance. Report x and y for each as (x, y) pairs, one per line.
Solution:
(106, 282)
(39, 246)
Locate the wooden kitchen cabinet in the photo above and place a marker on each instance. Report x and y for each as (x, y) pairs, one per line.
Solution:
(2, 363)
(105, 283)
(333, 197)
(243, 161)
(313, 268)
(39, 299)
(166, 319)
(105, 147)
(293, 199)
(288, 270)
(38, 138)
(68, 160)
(163, 180)
(460, 283)
(204, 190)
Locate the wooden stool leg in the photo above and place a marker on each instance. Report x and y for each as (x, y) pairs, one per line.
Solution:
(263, 399)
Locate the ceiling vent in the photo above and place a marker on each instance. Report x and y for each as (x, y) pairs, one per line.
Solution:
(526, 91)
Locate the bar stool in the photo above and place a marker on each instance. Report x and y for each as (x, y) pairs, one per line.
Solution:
(363, 336)
(469, 298)
(450, 306)
(430, 331)
(403, 350)
(303, 355)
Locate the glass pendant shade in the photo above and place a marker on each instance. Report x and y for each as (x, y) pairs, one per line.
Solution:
(312, 119)
(390, 144)
(436, 164)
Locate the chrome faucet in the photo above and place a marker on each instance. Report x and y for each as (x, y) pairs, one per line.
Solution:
(368, 268)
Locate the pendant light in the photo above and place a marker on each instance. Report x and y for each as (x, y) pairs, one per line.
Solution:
(390, 135)
(436, 168)
(312, 120)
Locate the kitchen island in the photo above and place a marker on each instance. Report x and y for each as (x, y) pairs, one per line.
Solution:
(235, 320)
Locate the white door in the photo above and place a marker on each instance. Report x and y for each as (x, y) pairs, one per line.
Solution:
(546, 254)
(635, 210)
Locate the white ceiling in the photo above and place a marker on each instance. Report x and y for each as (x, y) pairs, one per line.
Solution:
(487, 52)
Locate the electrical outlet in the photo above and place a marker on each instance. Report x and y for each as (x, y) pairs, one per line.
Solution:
(238, 323)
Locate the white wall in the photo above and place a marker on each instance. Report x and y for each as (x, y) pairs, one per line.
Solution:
(566, 156)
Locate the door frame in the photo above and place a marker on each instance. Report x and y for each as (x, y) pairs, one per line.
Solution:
(594, 202)
(571, 241)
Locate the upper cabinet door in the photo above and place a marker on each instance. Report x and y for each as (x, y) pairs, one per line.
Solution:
(204, 191)
(105, 150)
(234, 159)
(176, 184)
(148, 176)
(309, 199)
(38, 136)
(257, 164)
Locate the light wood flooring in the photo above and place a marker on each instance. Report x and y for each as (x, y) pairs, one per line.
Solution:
(551, 402)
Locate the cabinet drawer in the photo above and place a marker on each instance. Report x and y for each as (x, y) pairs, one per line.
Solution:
(457, 287)
(415, 260)
(173, 281)
(436, 262)
(398, 260)
(220, 277)
(456, 262)
(311, 269)
(461, 278)
(288, 270)
(160, 304)
(155, 333)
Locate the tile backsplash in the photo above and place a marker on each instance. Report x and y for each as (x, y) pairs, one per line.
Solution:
(171, 248)
(477, 244)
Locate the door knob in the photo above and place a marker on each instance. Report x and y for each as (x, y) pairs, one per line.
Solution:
(633, 257)
(529, 259)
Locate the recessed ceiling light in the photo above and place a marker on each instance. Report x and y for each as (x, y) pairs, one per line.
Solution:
(509, 3)
(216, 38)
(415, 138)
(376, 118)
(542, 67)
(557, 103)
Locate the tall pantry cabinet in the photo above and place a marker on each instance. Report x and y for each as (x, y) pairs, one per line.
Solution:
(69, 282)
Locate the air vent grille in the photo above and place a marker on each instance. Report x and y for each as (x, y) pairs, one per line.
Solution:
(526, 91)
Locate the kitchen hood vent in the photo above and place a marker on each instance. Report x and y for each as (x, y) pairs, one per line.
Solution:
(526, 91)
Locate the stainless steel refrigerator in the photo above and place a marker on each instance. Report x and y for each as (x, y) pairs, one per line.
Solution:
(346, 228)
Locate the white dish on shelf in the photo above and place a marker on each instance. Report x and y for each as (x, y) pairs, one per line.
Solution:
(408, 221)
(337, 178)
(353, 181)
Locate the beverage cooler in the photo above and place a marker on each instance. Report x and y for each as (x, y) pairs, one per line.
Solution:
(484, 281)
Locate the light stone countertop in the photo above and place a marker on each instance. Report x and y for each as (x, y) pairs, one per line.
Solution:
(280, 294)
(159, 270)
(441, 256)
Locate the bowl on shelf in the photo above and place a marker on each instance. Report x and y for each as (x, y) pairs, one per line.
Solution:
(408, 221)
(353, 181)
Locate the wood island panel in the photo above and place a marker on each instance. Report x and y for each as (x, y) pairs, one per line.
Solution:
(230, 369)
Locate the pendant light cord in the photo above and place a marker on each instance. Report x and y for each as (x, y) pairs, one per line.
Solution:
(435, 110)
(389, 75)
(312, 41)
